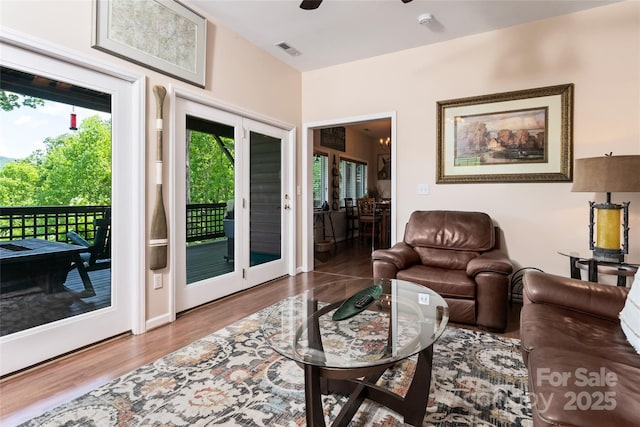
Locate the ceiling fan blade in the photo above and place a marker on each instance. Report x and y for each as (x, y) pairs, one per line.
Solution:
(406, 1)
(311, 4)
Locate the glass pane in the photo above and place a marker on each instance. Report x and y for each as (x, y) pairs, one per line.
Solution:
(352, 180)
(210, 194)
(55, 200)
(320, 180)
(265, 217)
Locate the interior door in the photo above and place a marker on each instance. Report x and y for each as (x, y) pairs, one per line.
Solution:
(226, 241)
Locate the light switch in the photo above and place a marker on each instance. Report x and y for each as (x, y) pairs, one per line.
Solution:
(423, 188)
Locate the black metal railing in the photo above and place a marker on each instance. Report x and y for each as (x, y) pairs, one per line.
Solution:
(49, 222)
(204, 221)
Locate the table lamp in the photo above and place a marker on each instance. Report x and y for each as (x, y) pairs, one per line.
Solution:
(608, 174)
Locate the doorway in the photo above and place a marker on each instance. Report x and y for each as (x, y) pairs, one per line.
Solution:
(233, 211)
(309, 144)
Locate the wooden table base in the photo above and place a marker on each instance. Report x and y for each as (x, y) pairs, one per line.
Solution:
(412, 407)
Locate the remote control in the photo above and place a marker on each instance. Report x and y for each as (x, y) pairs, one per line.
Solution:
(363, 301)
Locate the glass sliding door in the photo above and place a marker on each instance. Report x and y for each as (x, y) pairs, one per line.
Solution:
(69, 245)
(55, 194)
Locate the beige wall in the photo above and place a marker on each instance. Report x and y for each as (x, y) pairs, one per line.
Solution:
(274, 92)
(598, 50)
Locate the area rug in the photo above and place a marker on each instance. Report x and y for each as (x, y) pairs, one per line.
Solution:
(233, 378)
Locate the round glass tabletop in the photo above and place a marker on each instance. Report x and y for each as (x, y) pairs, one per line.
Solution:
(405, 319)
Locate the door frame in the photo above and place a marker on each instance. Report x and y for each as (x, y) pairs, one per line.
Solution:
(128, 207)
(174, 92)
(307, 177)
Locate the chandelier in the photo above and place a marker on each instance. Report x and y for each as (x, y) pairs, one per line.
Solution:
(385, 142)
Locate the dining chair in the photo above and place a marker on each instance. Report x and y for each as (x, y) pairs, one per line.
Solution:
(368, 219)
(351, 212)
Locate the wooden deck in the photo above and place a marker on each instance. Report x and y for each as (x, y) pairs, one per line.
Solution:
(31, 307)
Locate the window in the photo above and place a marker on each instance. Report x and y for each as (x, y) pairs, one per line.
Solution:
(353, 180)
(320, 179)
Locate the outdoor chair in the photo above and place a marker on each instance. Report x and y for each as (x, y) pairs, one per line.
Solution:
(98, 255)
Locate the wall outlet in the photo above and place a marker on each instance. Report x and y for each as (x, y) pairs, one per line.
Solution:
(157, 281)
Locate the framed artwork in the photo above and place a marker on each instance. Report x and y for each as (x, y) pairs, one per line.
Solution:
(163, 35)
(521, 136)
(384, 166)
(333, 138)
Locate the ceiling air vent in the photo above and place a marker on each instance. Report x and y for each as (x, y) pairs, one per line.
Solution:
(290, 50)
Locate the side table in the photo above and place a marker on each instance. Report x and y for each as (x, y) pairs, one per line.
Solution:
(594, 267)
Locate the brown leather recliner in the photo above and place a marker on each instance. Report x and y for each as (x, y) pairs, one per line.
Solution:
(456, 254)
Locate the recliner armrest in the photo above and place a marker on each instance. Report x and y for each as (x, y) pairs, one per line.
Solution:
(401, 255)
(494, 261)
(591, 298)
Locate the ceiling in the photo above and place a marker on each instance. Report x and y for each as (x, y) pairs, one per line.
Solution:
(341, 31)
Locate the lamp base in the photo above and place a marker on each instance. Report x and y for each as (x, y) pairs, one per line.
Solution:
(608, 255)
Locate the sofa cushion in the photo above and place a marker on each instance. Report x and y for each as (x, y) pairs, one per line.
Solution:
(448, 283)
(630, 314)
(469, 231)
(572, 387)
(548, 328)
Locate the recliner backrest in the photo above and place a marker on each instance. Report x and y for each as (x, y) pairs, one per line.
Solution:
(449, 239)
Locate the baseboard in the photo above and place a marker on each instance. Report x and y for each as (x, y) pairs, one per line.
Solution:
(158, 321)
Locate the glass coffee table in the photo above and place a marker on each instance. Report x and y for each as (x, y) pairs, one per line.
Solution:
(349, 356)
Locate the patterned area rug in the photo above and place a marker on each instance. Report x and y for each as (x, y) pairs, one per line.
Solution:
(233, 378)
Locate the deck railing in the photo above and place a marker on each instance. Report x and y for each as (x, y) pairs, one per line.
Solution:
(204, 221)
(49, 222)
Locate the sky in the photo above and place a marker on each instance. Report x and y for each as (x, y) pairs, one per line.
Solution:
(23, 130)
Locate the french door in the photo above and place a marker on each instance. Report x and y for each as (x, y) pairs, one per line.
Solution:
(233, 208)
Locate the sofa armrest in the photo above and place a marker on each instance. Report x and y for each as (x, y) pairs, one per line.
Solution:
(596, 299)
(494, 261)
(401, 255)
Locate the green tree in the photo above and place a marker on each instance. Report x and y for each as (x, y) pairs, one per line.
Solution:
(210, 171)
(10, 101)
(18, 182)
(76, 168)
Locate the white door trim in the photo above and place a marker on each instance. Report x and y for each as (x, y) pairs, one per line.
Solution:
(307, 177)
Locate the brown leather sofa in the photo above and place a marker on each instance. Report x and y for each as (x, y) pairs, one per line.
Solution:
(456, 254)
(582, 370)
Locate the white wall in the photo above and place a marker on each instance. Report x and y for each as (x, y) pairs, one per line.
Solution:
(598, 50)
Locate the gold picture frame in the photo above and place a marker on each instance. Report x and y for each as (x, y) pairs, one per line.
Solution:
(520, 136)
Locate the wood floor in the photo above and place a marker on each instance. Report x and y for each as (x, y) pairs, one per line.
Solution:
(31, 392)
